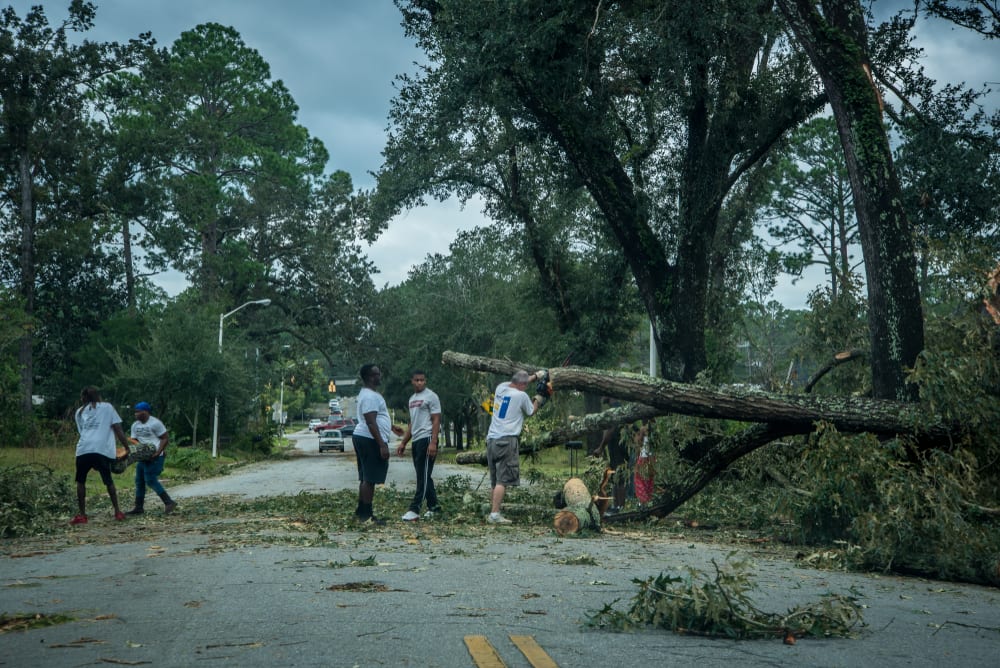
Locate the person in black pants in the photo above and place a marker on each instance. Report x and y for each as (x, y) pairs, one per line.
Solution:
(423, 430)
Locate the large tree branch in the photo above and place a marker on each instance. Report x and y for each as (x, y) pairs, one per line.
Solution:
(714, 462)
(847, 414)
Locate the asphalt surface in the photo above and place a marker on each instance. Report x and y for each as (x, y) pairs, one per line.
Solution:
(313, 472)
(403, 595)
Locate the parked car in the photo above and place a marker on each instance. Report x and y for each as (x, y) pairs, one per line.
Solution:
(329, 423)
(315, 422)
(347, 429)
(331, 439)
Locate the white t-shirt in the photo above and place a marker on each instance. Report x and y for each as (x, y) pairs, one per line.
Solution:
(422, 406)
(94, 424)
(510, 407)
(370, 401)
(149, 432)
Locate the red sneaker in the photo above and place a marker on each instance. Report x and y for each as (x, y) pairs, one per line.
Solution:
(119, 515)
(79, 519)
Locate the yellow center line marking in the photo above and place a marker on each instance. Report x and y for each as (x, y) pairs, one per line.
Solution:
(533, 652)
(483, 652)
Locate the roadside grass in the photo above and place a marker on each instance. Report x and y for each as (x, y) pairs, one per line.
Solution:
(720, 514)
(62, 462)
(38, 491)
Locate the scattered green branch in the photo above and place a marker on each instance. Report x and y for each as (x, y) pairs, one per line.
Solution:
(718, 605)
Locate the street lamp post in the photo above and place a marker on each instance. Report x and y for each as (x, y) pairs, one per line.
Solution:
(215, 419)
(282, 413)
(281, 407)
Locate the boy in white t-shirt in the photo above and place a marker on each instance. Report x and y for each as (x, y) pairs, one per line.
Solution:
(423, 430)
(99, 426)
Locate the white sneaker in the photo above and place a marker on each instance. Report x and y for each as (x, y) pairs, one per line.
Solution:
(429, 515)
(410, 516)
(497, 518)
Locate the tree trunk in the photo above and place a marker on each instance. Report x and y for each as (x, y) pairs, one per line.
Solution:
(789, 413)
(573, 520)
(836, 42)
(25, 353)
(777, 416)
(129, 267)
(592, 404)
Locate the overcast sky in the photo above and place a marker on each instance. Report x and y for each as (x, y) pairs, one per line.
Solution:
(338, 59)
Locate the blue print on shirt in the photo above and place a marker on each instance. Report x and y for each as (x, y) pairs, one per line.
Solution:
(504, 403)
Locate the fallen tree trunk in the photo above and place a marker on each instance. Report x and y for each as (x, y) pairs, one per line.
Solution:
(661, 397)
(705, 471)
(778, 416)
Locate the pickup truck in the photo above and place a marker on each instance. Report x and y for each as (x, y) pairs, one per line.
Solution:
(331, 439)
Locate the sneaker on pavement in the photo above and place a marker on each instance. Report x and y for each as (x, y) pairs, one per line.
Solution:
(79, 519)
(119, 515)
(410, 516)
(497, 518)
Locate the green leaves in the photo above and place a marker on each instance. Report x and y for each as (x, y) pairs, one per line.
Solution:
(226, 150)
(720, 605)
(30, 495)
(812, 206)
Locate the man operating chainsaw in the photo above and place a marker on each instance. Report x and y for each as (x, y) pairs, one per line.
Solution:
(511, 405)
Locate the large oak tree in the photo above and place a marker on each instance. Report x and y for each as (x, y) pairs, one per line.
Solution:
(659, 115)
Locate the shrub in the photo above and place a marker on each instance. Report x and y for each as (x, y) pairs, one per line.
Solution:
(910, 514)
(31, 495)
(841, 472)
(924, 524)
(190, 459)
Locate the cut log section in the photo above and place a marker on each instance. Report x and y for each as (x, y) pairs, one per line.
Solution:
(581, 512)
(135, 452)
(572, 520)
(575, 493)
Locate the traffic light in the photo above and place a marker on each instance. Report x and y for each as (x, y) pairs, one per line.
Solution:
(333, 386)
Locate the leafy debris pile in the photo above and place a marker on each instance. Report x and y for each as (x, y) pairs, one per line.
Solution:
(719, 605)
(31, 495)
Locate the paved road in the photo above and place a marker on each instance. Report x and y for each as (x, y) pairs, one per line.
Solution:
(404, 595)
(312, 472)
